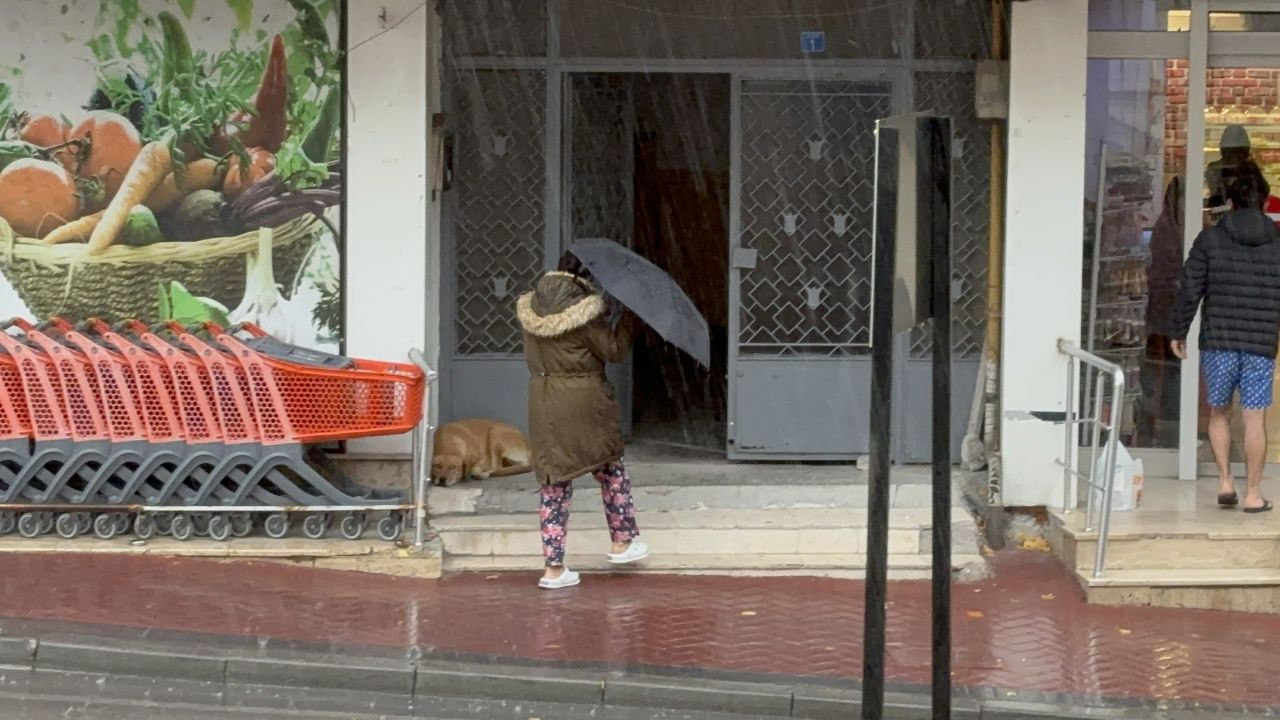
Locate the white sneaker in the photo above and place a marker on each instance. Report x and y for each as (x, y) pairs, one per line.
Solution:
(568, 578)
(635, 552)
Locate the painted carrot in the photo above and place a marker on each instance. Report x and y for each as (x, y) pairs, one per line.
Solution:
(74, 231)
(150, 169)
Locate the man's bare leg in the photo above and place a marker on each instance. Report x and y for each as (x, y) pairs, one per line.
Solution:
(1255, 453)
(1220, 441)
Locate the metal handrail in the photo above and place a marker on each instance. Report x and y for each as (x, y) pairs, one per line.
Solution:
(422, 442)
(1075, 358)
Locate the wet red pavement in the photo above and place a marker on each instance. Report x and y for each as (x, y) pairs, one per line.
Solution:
(1025, 628)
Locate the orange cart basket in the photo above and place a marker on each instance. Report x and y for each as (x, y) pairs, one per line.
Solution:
(298, 403)
(150, 382)
(192, 392)
(117, 392)
(228, 387)
(80, 391)
(15, 420)
(41, 389)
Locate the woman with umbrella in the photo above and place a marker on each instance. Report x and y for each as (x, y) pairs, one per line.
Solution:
(570, 333)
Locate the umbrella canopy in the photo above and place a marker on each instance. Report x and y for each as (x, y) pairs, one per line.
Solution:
(649, 292)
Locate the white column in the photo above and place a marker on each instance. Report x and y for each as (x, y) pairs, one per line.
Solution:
(1044, 231)
(392, 250)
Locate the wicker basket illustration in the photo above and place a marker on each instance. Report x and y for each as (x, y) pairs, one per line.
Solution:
(120, 283)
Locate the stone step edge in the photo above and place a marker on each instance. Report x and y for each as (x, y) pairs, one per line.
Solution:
(746, 519)
(1255, 577)
(797, 561)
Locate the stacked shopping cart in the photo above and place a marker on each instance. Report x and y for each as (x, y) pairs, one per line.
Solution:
(189, 431)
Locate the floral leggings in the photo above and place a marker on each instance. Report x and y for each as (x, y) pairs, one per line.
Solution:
(557, 500)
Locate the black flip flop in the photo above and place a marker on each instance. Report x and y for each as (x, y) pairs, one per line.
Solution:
(1266, 506)
(1228, 500)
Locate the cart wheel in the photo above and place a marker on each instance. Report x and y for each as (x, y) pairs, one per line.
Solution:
(181, 527)
(315, 526)
(84, 523)
(29, 525)
(144, 527)
(276, 525)
(241, 524)
(164, 522)
(352, 526)
(46, 523)
(67, 525)
(122, 523)
(104, 526)
(8, 523)
(219, 527)
(200, 523)
(390, 526)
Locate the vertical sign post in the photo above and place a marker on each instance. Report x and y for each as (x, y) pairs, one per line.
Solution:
(884, 224)
(933, 149)
(911, 284)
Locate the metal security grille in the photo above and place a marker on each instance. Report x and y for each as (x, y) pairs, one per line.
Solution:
(498, 214)
(951, 94)
(602, 123)
(807, 173)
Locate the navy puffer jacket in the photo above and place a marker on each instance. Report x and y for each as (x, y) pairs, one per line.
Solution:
(1234, 270)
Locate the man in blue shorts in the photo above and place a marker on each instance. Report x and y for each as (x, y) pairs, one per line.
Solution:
(1233, 277)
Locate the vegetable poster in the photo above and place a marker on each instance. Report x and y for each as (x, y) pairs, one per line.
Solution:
(173, 160)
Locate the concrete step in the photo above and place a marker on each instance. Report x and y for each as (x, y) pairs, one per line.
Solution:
(795, 541)
(850, 565)
(714, 486)
(1249, 590)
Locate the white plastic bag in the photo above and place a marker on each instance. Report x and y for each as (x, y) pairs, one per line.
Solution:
(1126, 493)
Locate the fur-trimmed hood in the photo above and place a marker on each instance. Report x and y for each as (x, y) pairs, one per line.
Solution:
(560, 303)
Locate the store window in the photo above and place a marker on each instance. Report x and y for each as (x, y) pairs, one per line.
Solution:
(1140, 15)
(1244, 21)
(1136, 134)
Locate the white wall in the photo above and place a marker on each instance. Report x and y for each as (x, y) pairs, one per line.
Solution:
(392, 231)
(1045, 225)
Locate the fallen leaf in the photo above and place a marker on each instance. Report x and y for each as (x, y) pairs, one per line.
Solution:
(975, 614)
(1048, 596)
(1124, 631)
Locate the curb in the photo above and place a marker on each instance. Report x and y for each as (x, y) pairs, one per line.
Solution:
(238, 676)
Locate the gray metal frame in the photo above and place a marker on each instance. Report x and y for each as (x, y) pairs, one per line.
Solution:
(900, 72)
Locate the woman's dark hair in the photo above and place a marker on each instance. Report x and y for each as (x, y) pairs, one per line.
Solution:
(1248, 188)
(571, 264)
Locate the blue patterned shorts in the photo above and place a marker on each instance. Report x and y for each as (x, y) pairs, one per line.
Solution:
(1225, 371)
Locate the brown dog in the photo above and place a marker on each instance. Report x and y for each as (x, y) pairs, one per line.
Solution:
(478, 449)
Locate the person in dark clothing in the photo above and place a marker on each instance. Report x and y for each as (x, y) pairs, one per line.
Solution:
(1233, 277)
(1237, 157)
(1159, 375)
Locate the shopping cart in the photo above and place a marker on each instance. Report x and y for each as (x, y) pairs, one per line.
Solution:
(192, 431)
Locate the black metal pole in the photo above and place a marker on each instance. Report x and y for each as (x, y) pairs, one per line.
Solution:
(935, 182)
(873, 644)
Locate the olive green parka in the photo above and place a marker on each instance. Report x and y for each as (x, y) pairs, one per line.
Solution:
(574, 420)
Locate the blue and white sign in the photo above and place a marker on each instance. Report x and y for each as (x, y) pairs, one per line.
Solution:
(813, 42)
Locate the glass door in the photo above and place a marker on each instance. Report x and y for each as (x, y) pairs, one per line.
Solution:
(1241, 126)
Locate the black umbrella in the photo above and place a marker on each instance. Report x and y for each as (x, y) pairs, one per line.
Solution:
(649, 292)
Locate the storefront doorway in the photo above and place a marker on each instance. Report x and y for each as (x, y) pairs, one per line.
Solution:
(1179, 91)
(737, 161)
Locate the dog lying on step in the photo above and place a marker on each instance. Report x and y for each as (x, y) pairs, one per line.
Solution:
(478, 449)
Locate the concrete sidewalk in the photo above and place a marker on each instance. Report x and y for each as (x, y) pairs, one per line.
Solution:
(1025, 644)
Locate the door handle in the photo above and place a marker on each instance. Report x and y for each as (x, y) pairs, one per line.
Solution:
(744, 258)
